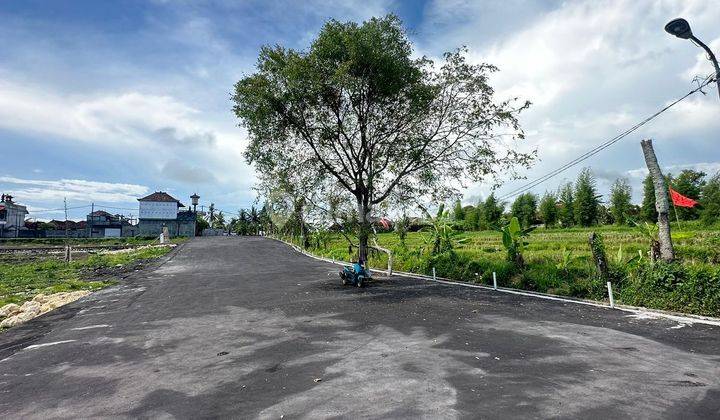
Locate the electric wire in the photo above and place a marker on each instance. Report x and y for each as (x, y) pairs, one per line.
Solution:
(532, 184)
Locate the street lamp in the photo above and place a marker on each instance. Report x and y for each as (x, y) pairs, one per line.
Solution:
(681, 29)
(194, 199)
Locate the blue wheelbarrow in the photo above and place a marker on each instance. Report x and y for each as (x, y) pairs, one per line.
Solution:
(354, 275)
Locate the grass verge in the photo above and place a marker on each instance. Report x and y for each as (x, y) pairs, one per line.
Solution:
(20, 282)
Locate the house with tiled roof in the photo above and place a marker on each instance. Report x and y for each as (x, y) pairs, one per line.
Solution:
(101, 224)
(161, 210)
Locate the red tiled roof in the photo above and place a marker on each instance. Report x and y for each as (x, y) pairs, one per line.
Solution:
(161, 196)
(101, 213)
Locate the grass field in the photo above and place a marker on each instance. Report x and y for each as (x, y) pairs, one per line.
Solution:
(20, 282)
(39, 242)
(692, 244)
(692, 284)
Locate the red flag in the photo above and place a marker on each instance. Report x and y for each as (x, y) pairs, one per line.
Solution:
(680, 200)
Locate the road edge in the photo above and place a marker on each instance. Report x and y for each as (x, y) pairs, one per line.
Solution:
(679, 317)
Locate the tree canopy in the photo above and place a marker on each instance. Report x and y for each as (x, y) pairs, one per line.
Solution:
(620, 201)
(356, 112)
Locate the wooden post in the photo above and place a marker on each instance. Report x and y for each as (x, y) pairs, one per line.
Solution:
(662, 205)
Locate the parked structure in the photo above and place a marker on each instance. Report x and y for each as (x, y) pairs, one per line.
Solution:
(12, 217)
(159, 210)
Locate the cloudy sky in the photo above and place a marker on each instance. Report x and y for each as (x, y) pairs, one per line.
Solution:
(103, 102)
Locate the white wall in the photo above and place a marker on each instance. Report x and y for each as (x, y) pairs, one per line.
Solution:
(158, 210)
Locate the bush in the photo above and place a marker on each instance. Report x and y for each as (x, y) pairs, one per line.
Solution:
(463, 268)
(675, 287)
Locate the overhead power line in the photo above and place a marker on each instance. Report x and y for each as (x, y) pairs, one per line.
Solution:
(532, 184)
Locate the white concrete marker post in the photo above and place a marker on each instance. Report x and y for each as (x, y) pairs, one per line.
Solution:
(434, 273)
(494, 281)
(610, 295)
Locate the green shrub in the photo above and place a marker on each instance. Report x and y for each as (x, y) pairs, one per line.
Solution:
(674, 286)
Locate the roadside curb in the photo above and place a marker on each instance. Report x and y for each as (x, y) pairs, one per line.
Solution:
(650, 313)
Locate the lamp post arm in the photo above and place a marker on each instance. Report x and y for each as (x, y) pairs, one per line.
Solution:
(712, 58)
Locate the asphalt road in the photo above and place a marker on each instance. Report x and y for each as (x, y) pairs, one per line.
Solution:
(247, 327)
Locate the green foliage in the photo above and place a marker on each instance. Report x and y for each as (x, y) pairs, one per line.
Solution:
(711, 201)
(461, 267)
(401, 229)
(492, 211)
(513, 239)
(442, 235)
(547, 268)
(548, 209)
(320, 238)
(201, 224)
(359, 90)
(585, 200)
(472, 218)
(566, 208)
(621, 259)
(674, 286)
(648, 212)
(524, 208)
(620, 201)
(458, 212)
(650, 232)
(567, 259)
(22, 281)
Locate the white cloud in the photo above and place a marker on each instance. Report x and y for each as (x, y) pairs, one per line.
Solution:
(592, 69)
(134, 126)
(113, 121)
(75, 190)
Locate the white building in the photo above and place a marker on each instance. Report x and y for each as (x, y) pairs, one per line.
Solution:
(159, 210)
(12, 217)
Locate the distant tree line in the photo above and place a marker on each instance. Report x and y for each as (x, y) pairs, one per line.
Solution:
(251, 222)
(579, 204)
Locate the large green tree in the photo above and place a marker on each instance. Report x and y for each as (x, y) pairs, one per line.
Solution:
(711, 201)
(458, 211)
(566, 209)
(586, 199)
(524, 208)
(357, 107)
(620, 201)
(491, 212)
(648, 212)
(548, 210)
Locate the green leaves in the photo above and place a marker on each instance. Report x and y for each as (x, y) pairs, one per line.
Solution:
(513, 240)
(357, 114)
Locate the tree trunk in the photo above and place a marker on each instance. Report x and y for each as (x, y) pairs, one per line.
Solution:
(363, 228)
(661, 201)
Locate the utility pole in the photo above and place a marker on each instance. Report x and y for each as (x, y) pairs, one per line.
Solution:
(662, 205)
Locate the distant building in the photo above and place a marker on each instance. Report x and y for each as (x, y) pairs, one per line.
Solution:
(159, 210)
(12, 217)
(101, 224)
(60, 229)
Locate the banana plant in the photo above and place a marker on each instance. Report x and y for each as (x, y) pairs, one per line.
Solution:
(513, 239)
(620, 258)
(442, 235)
(567, 258)
(651, 232)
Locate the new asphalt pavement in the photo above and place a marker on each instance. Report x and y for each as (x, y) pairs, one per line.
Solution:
(246, 327)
